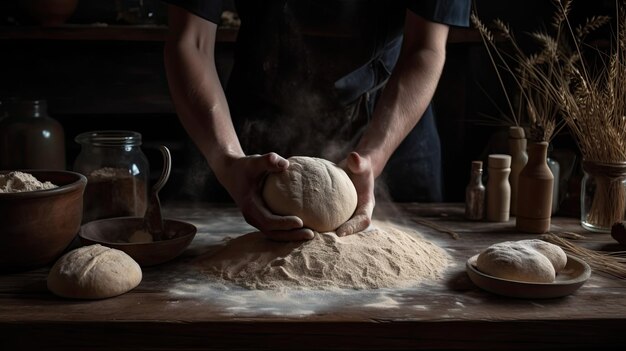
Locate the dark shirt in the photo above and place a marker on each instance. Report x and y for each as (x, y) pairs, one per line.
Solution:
(307, 73)
(318, 54)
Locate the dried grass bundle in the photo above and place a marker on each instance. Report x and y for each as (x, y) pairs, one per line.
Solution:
(560, 80)
(611, 263)
(594, 107)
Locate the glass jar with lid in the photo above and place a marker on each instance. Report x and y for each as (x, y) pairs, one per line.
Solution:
(117, 171)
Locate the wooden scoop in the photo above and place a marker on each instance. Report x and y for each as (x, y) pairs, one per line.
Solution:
(152, 220)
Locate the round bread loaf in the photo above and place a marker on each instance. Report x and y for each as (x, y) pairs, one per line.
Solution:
(314, 189)
(516, 261)
(554, 253)
(94, 272)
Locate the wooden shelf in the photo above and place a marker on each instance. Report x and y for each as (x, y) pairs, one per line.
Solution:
(100, 32)
(153, 33)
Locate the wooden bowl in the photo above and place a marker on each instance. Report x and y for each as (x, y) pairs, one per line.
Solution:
(37, 226)
(114, 233)
(49, 13)
(572, 277)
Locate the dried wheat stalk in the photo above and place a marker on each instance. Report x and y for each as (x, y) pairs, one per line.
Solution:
(613, 263)
(529, 74)
(559, 81)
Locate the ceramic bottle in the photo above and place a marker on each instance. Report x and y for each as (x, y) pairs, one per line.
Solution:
(498, 188)
(475, 193)
(519, 157)
(534, 203)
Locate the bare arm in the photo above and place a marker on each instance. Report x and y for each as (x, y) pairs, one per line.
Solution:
(408, 92)
(203, 110)
(196, 89)
(405, 98)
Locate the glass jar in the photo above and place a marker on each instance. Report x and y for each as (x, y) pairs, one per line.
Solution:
(136, 11)
(117, 172)
(602, 195)
(29, 138)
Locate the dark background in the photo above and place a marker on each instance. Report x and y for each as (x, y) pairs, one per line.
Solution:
(118, 82)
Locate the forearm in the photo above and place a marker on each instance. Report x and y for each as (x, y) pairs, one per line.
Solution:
(408, 91)
(402, 103)
(200, 103)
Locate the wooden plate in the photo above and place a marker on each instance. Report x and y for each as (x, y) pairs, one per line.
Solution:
(114, 233)
(572, 277)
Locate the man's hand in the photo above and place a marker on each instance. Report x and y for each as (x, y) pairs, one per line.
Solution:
(360, 171)
(245, 186)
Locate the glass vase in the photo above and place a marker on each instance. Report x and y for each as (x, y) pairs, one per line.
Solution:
(602, 195)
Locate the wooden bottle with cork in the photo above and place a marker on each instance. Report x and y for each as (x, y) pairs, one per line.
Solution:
(534, 202)
(475, 193)
(498, 188)
(519, 157)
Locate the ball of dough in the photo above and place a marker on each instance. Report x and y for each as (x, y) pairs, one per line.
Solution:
(94, 272)
(314, 189)
(514, 261)
(554, 253)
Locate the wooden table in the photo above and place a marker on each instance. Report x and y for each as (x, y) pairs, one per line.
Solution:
(174, 309)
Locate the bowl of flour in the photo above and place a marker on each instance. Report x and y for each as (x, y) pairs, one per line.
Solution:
(40, 215)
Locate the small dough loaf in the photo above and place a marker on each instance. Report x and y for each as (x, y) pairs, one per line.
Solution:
(94, 272)
(516, 261)
(314, 189)
(554, 253)
(140, 237)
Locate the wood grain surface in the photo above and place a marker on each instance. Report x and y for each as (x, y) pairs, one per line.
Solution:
(176, 307)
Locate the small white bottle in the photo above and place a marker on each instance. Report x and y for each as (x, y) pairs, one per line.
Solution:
(498, 188)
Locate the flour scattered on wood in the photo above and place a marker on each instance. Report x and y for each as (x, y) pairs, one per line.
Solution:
(381, 257)
(16, 182)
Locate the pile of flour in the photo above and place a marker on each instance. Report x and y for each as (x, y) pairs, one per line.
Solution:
(16, 182)
(381, 257)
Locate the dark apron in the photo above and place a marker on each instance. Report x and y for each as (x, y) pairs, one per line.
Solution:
(287, 93)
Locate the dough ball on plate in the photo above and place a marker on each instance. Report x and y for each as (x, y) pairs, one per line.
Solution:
(94, 272)
(554, 253)
(516, 261)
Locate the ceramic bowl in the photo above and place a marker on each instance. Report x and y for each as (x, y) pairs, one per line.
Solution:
(572, 277)
(37, 226)
(115, 233)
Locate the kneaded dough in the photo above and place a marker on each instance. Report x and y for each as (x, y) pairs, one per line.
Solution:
(554, 253)
(314, 189)
(94, 272)
(516, 261)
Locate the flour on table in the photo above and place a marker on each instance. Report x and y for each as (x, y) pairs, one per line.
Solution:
(17, 182)
(381, 257)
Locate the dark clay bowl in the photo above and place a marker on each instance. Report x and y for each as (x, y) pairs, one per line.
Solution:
(114, 233)
(37, 226)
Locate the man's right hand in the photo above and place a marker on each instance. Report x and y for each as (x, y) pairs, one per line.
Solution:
(245, 182)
